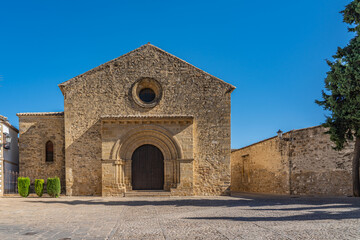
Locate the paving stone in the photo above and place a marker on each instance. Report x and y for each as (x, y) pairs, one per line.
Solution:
(245, 217)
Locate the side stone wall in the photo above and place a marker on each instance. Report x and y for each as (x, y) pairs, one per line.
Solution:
(262, 168)
(302, 163)
(35, 131)
(316, 168)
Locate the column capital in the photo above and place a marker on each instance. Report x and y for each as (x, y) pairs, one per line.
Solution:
(187, 160)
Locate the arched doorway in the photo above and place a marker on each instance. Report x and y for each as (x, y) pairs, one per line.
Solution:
(147, 168)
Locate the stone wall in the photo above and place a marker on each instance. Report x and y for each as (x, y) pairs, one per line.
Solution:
(35, 130)
(186, 90)
(261, 167)
(302, 163)
(317, 169)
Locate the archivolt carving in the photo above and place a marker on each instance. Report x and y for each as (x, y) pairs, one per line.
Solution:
(147, 134)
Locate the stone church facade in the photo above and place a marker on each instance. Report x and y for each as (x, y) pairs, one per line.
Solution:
(144, 121)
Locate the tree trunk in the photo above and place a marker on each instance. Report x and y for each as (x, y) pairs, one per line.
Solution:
(355, 168)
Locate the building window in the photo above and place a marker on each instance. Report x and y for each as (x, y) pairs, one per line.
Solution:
(147, 95)
(7, 141)
(146, 92)
(49, 151)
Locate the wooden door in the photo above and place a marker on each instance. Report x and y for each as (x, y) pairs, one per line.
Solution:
(147, 168)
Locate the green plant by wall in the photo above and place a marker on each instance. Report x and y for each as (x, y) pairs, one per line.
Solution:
(39, 187)
(53, 186)
(23, 186)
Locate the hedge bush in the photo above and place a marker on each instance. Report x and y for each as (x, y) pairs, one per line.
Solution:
(23, 186)
(53, 186)
(39, 187)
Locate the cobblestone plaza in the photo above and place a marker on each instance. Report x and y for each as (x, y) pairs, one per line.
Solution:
(243, 217)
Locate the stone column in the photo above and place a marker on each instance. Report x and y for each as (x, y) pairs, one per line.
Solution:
(113, 183)
(119, 173)
(175, 173)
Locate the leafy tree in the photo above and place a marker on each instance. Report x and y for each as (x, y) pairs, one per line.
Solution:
(342, 95)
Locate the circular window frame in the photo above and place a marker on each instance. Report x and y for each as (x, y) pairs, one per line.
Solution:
(143, 84)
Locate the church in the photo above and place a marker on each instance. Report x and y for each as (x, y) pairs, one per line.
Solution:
(146, 120)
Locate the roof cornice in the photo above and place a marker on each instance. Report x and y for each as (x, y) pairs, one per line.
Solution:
(40, 114)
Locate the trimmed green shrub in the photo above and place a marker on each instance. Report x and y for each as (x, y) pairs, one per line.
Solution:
(39, 187)
(53, 186)
(23, 186)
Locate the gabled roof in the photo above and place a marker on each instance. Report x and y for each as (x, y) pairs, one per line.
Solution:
(5, 121)
(148, 45)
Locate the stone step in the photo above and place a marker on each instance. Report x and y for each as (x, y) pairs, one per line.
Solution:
(147, 193)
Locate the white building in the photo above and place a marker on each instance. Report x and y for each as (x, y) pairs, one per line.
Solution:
(9, 155)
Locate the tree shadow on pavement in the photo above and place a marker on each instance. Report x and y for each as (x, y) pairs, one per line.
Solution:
(315, 215)
(301, 209)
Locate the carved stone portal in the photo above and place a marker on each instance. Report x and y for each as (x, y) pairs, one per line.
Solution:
(121, 136)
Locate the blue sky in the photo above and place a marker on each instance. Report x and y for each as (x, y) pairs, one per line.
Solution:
(273, 51)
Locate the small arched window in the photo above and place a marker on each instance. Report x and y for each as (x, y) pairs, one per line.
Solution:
(49, 151)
